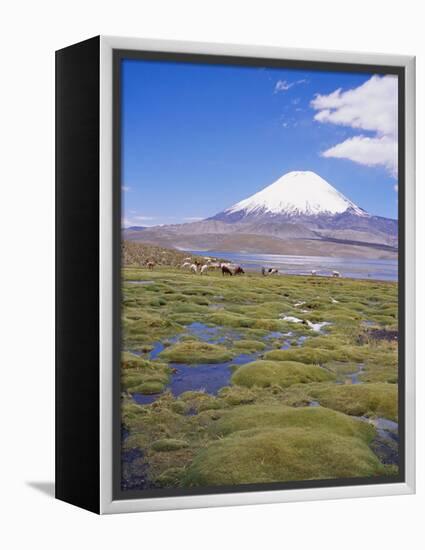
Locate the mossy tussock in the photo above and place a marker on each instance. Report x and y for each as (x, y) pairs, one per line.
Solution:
(281, 454)
(249, 345)
(132, 361)
(314, 356)
(197, 401)
(143, 376)
(236, 395)
(281, 373)
(377, 399)
(247, 417)
(167, 445)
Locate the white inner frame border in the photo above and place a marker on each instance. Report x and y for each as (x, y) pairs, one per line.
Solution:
(107, 504)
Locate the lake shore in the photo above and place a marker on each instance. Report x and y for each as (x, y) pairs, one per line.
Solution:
(356, 268)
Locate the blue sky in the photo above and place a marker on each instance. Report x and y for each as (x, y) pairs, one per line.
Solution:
(199, 138)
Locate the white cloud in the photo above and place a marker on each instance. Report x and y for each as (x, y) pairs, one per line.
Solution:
(396, 187)
(153, 221)
(125, 188)
(137, 220)
(370, 107)
(375, 151)
(284, 85)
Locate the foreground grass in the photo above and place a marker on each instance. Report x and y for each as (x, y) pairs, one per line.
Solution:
(281, 454)
(259, 428)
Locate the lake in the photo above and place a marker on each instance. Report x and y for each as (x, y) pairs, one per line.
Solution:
(384, 270)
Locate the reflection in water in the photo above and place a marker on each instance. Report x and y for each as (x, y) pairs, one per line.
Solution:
(205, 377)
(200, 377)
(134, 469)
(385, 445)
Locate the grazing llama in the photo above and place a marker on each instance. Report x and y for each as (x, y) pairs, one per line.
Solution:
(225, 270)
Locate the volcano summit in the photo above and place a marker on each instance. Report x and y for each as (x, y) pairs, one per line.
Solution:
(296, 194)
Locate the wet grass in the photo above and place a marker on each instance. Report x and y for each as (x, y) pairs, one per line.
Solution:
(360, 400)
(143, 376)
(248, 346)
(167, 445)
(260, 427)
(279, 373)
(312, 356)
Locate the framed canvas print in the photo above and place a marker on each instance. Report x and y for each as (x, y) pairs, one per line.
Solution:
(235, 274)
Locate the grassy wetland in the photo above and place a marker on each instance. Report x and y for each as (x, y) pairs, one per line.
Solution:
(252, 379)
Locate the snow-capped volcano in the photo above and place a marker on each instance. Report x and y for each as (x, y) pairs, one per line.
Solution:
(294, 194)
(299, 214)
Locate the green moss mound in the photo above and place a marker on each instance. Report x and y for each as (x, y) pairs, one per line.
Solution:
(131, 412)
(133, 361)
(236, 395)
(282, 454)
(378, 399)
(305, 355)
(230, 320)
(150, 387)
(149, 324)
(199, 401)
(282, 373)
(196, 352)
(143, 376)
(167, 445)
(279, 416)
(248, 346)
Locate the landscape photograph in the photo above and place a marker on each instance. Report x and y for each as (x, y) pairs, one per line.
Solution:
(259, 276)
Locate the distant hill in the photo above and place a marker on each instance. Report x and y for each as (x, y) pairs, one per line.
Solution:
(300, 213)
(138, 254)
(133, 228)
